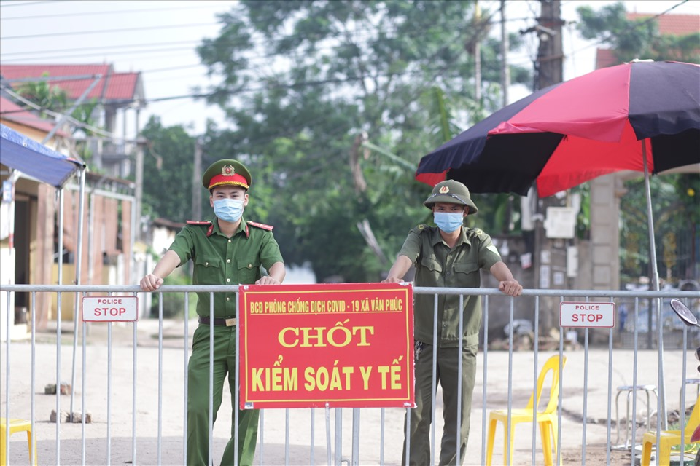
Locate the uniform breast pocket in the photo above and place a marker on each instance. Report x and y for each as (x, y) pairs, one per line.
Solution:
(430, 272)
(467, 274)
(248, 270)
(208, 270)
(431, 264)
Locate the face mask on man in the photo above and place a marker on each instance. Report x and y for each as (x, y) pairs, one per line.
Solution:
(228, 210)
(449, 221)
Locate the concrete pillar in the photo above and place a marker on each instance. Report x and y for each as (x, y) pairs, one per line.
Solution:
(605, 232)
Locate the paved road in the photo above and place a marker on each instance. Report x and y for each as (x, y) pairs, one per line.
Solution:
(115, 419)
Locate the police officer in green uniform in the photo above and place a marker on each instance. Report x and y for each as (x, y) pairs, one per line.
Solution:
(449, 255)
(225, 250)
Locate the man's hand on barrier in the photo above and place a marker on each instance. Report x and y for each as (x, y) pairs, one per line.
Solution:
(151, 282)
(392, 280)
(510, 287)
(267, 280)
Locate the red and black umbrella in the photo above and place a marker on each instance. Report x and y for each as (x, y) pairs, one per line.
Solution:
(574, 131)
(642, 116)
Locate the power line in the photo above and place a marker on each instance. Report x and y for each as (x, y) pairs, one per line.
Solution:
(171, 68)
(110, 12)
(101, 54)
(22, 3)
(106, 47)
(299, 84)
(195, 43)
(69, 118)
(286, 86)
(415, 34)
(632, 26)
(106, 31)
(270, 86)
(103, 31)
(171, 78)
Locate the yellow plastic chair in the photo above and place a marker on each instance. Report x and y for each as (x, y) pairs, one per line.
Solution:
(546, 419)
(669, 438)
(16, 425)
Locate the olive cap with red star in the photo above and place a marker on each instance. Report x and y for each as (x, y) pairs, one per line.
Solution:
(226, 172)
(453, 192)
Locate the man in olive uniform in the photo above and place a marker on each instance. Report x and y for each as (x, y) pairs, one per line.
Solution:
(449, 255)
(225, 250)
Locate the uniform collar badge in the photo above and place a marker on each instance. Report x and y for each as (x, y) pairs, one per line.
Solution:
(228, 170)
(444, 189)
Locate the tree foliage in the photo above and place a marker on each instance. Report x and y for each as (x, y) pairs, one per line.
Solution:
(52, 99)
(309, 86)
(636, 38)
(168, 163)
(676, 216)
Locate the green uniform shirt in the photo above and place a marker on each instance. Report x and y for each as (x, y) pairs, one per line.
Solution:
(439, 266)
(219, 260)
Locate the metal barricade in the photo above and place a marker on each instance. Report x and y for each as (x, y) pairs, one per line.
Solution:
(133, 385)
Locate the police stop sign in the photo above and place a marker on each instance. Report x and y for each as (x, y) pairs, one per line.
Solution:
(587, 314)
(110, 309)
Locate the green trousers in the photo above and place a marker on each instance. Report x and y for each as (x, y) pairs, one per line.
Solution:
(198, 399)
(448, 361)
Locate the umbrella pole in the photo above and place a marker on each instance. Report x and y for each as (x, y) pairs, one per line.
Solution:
(59, 306)
(78, 263)
(655, 282)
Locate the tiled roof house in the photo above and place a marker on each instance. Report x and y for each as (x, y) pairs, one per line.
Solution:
(113, 88)
(109, 208)
(117, 93)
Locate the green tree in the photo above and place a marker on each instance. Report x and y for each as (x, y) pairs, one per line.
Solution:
(676, 216)
(638, 38)
(301, 81)
(45, 96)
(168, 164)
(51, 98)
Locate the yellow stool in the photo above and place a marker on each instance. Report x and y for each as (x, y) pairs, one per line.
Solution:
(16, 425)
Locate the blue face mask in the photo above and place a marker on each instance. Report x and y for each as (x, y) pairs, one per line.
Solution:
(449, 221)
(228, 210)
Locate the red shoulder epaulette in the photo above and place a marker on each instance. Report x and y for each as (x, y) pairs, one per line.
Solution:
(261, 225)
(203, 223)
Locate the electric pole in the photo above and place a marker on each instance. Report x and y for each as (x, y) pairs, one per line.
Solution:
(136, 272)
(505, 71)
(550, 254)
(477, 53)
(550, 55)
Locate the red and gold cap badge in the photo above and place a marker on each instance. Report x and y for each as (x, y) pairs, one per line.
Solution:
(444, 189)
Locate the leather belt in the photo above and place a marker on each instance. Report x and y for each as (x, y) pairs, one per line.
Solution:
(230, 322)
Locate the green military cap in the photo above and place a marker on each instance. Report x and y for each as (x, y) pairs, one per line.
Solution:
(451, 191)
(226, 172)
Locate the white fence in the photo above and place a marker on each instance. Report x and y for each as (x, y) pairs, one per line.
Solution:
(131, 377)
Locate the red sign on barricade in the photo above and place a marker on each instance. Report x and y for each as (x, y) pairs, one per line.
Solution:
(335, 345)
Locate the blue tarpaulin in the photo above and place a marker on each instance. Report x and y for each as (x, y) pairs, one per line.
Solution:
(34, 159)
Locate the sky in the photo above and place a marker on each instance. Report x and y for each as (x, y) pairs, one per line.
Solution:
(158, 38)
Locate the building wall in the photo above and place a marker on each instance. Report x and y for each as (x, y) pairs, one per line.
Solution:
(32, 133)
